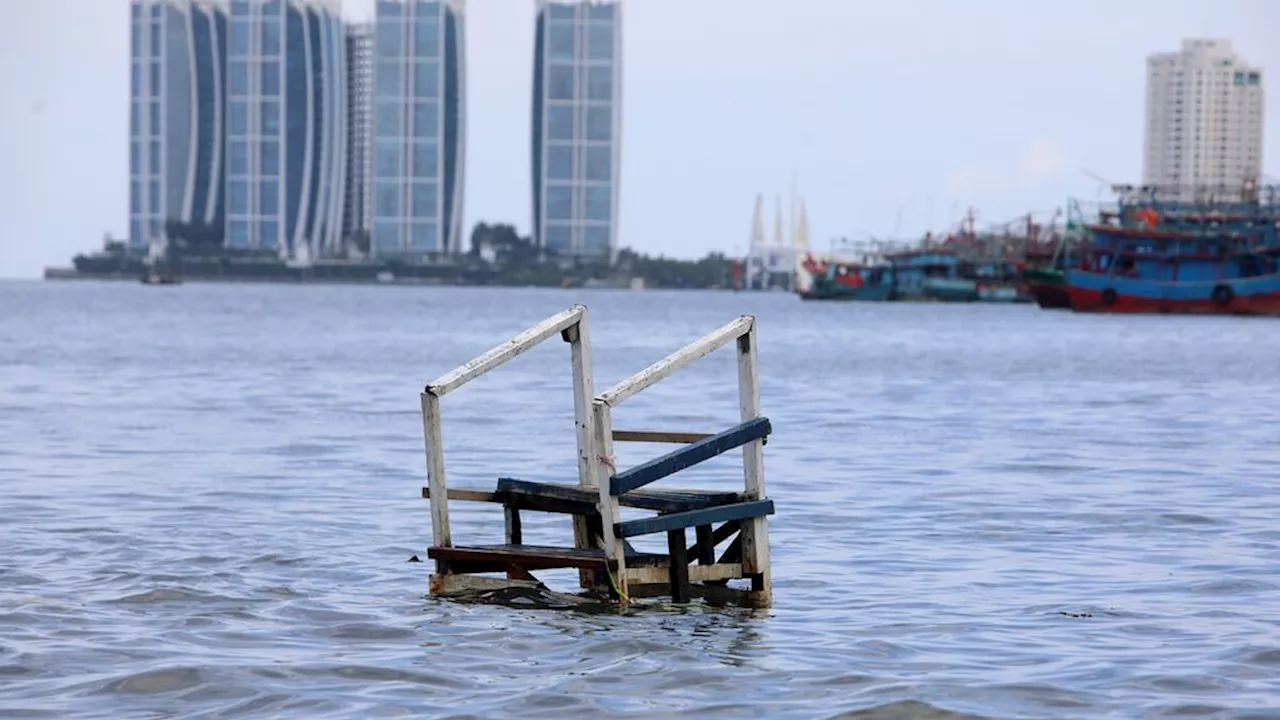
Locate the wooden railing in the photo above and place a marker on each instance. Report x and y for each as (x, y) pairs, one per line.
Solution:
(748, 517)
(571, 324)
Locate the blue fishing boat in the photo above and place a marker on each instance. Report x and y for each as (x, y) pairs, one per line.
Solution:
(931, 274)
(847, 281)
(1199, 256)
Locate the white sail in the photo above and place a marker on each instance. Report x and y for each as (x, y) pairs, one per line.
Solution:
(757, 223)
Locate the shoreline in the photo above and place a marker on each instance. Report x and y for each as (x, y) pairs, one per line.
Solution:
(56, 274)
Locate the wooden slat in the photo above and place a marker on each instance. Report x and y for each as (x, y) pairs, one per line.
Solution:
(731, 554)
(579, 338)
(505, 352)
(693, 518)
(529, 495)
(466, 495)
(449, 584)
(686, 457)
(614, 547)
(495, 558)
(515, 572)
(719, 535)
(433, 444)
(658, 436)
(681, 358)
(547, 497)
(755, 532)
(718, 573)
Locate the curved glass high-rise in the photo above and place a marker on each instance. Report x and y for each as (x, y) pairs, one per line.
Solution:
(419, 111)
(286, 127)
(577, 123)
(176, 116)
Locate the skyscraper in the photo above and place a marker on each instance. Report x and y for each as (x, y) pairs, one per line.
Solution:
(287, 126)
(577, 123)
(419, 114)
(176, 154)
(356, 214)
(1204, 120)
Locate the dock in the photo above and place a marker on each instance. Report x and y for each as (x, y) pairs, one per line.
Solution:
(730, 529)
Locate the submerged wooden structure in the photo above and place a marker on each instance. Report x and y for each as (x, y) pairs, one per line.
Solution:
(607, 563)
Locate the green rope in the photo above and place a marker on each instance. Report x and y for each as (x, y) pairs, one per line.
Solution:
(622, 597)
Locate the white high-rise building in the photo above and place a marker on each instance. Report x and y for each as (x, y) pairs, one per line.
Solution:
(356, 213)
(286, 127)
(419, 128)
(1204, 121)
(175, 118)
(577, 126)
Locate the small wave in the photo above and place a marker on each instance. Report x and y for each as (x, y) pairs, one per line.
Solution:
(905, 710)
(1188, 519)
(157, 682)
(169, 595)
(367, 631)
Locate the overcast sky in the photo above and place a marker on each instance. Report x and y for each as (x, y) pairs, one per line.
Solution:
(877, 107)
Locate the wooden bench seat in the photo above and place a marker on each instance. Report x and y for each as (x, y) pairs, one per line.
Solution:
(579, 500)
(500, 558)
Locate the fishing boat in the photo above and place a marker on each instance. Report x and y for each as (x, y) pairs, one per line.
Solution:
(1000, 294)
(1047, 283)
(160, 278)
(834, 280)
(928, 274)
(1048, 286)
(1151, 274)
(949, 289)
(1180, 257)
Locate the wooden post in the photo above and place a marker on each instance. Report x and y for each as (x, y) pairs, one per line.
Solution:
(755, 531)
(706, 546)
(514, 533)
(579, 339)
(614, 547)
(678, 568)
(440, 536)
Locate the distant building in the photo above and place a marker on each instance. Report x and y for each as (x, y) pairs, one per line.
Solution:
(1204, 120)
(419, 115)
(577, 124)
(286, 127)
(176, 154)
(359, 192)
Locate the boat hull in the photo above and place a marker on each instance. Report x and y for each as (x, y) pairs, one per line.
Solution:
(999, 294)
(1098, 293)
(949, 290)
(1049, 289)
(865, 293)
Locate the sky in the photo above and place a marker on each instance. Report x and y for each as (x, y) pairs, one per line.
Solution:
(891, 117)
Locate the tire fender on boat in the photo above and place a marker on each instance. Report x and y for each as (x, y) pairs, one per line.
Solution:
(1222, 295)
(1109, 297)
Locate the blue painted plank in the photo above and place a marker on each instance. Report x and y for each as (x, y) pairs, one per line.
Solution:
(685, 457)
(693, 518)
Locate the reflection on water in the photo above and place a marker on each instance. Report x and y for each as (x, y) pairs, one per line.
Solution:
(209, 494)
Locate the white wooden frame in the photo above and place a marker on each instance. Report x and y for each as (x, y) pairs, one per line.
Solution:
(571, 324)
(755, 532)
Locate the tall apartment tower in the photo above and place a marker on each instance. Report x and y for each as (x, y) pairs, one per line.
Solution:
(286, 127)
(359, 195)
(177, 49)
(419, 113)
(1204, 121)
(577, 127)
